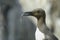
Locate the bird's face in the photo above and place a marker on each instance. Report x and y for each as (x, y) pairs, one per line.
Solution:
(36, 13)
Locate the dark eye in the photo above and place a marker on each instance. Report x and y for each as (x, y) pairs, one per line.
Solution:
(38, 11)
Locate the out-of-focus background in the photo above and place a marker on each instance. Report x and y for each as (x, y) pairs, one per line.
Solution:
(52, 10)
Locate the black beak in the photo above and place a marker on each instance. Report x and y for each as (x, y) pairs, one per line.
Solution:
(28, 14)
